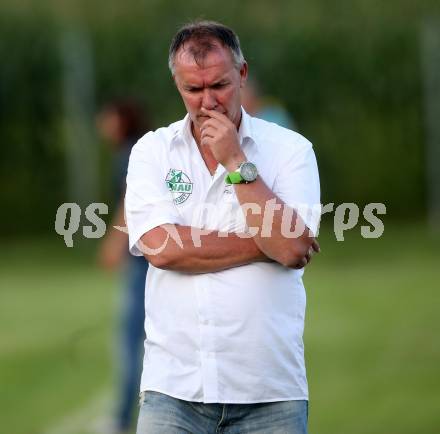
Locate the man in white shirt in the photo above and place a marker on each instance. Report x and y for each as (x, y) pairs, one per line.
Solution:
(224, 207)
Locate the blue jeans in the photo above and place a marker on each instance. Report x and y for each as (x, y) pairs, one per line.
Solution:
(131, 340)
(162, 414)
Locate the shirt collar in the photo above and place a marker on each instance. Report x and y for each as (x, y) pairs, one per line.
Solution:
(245, 132)
(183, 133)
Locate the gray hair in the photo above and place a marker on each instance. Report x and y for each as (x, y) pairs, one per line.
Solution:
(204, 34)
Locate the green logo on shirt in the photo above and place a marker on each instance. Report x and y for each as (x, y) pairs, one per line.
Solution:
(179, 184)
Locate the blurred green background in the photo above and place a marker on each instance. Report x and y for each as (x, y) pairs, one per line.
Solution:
(361, 80)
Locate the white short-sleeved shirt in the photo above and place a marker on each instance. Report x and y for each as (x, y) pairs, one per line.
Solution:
(232, 336)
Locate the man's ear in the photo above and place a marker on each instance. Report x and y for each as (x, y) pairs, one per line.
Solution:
(243, 74)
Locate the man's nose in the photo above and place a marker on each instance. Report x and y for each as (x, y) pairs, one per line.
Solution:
(208, 100)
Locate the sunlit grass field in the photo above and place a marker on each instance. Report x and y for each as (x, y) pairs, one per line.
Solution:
(56, 330)
(372, 333)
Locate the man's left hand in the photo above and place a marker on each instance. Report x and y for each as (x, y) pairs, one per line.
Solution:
(220, 135)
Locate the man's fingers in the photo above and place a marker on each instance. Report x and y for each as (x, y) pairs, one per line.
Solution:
(315, 246)
(205, 141)
(216, 115)
(208, 132)
(213, 123)
(305, 260)
(210, 122)
(302, 263)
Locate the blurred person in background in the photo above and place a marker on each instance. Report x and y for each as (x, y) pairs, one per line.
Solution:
(224, 314)
(263, 106)
(121, 123)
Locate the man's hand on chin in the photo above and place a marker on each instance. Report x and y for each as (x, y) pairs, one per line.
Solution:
(219, 133)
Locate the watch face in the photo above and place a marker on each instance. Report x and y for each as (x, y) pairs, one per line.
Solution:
(248, 171)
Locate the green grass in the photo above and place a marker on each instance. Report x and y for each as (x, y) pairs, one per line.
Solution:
(372, 346)
(55, 333)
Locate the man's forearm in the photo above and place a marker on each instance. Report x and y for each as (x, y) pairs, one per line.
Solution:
(288, 251)
(186, 254)
(219, 135)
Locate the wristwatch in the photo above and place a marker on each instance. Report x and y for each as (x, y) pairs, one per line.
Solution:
(246, 172)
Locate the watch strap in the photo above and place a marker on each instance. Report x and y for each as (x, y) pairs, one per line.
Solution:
(233, 178)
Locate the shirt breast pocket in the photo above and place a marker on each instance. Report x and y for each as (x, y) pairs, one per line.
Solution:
(229, 216)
